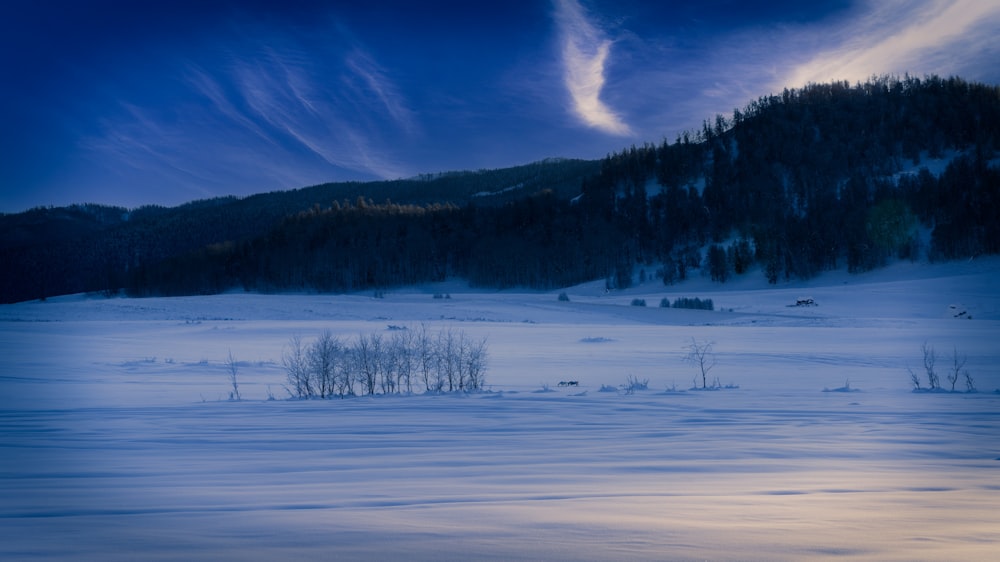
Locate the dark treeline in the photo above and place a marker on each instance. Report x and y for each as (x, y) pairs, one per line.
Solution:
(818, 178)
(539, 241)
(90, 248)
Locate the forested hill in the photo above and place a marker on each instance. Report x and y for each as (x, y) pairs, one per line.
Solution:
(87, 247)
(824, 177)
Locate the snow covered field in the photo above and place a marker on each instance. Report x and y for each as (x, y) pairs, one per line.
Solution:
(117, 441)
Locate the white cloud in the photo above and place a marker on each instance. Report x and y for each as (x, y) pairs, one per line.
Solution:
(584, 56)
(898, 36)
(376, 81)
(275, 119)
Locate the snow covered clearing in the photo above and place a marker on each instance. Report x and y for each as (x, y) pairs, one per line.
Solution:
(118, 441)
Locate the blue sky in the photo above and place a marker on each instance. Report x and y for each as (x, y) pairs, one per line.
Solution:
(132, 103)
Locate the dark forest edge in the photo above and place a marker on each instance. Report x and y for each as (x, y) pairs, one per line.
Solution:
(824, 177)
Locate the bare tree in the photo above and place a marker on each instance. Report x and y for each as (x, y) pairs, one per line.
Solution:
(474, 363)
(424, 345)
(323, 357)
(700, 355)
(404, 354)
(366, 361)
(930, 358)
(970, 385)
(445, 364)
(346, 373)
(914, 379)
(386, 362)
(293, 358)
(233, 369)
(957, 364)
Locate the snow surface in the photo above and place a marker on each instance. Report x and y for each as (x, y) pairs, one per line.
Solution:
(117, 441)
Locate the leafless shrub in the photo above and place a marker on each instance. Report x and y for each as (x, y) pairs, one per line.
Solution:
(633, 384)
(700, 354)
(970, 385)
(474, 359)
(293, 358)
(323, 357)
(232, 368)
(956, 371)
(366, 362)
(930, 358)
(957, 364)
(914, 379)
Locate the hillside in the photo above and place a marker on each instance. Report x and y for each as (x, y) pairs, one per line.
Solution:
(830, 176)
(87, 247)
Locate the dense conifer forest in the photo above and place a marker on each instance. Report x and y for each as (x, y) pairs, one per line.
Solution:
(824, 177)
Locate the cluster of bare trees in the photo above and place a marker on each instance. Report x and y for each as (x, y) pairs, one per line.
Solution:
(376, 363)
(955, 372)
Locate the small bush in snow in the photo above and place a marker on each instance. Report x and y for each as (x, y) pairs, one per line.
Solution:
(845, 388)
(672, 389)
(563, 297)
(716, 385)
(638, 302)
(693, 303)
(545, 388)
(632, 384)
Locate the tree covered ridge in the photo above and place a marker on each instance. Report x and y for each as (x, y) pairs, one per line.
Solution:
(812, 178)
(88, 247)
(816, 178)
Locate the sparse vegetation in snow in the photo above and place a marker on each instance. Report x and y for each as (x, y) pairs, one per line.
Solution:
(633, 384)
(447, 361)
(845, 388)
(232, 368)
(957, 371)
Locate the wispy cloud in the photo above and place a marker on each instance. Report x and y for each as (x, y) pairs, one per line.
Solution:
(898, 36)
(585, 53)
(277, 110)
(211, 89)
(675, 87)
(295, 97)
(375, 81)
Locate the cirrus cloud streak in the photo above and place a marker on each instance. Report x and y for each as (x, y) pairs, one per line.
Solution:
(584, 57)
(900, 36)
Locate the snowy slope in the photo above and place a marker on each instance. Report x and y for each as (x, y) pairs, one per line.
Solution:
(118, 443)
